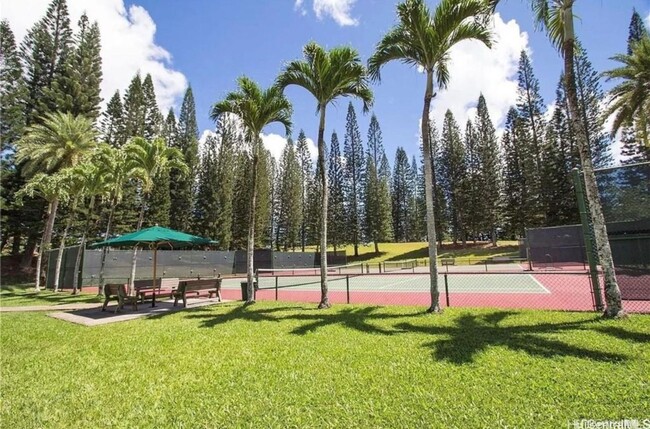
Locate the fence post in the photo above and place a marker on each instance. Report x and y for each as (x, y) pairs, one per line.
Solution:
(347, 286)
(276, 288)
(447, 291)
(586, 234)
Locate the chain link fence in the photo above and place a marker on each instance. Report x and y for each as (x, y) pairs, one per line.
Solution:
(551, 290)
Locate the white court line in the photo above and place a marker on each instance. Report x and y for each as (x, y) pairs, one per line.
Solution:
(538, 283)
(391, 284)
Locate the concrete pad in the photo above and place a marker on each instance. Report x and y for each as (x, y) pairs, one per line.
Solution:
(95, 316)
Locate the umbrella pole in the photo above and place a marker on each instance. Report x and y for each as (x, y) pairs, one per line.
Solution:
(155, 263)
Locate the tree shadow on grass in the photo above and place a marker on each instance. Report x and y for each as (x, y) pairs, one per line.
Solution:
(474, 334)
(365, 257)
(236, 311)
(461, 343)
(358, 319)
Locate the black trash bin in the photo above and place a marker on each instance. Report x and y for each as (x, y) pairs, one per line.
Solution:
(244, 290)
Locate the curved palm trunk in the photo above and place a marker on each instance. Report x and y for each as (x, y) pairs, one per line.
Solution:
(82, 247)
(100, 290)
(135, 250)
(46, 240)
(428, 191)
(59, 256)
(250, 246)
(614, 306)
(324, 299)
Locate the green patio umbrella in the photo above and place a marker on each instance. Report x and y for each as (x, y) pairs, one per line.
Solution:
(154, 237)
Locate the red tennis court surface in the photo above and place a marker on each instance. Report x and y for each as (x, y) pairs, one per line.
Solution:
(552, 290)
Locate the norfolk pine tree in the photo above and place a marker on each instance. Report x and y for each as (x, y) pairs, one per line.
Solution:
(337, 221)
(354, 172)
(401, 192)
(378, 200)
(489, 170)
(182, 188)
(304, 159)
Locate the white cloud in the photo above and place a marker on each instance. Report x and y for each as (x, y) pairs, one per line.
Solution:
(275, 143)
(647, 19)
(475, 69)
(338, 10)
(128, 44)
(299, 7)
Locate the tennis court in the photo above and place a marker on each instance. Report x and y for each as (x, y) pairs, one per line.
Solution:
(399, 283)
(508, 288)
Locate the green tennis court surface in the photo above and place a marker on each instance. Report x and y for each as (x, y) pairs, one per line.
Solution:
(458, 283)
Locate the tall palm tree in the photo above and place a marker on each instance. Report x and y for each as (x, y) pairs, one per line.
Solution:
(327, 75)
(556, 18)
(75, 185)
(116, 171)
(424, 40)
(631, 98)
(60, 141)
(96, 185)
(256, 108)
(52, 188)
(147, 159)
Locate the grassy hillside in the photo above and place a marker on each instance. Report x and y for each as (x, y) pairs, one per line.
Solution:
(471, 254)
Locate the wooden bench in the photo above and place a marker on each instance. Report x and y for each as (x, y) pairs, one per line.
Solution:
(210, 287)
(447, 261)
(165, 288)
(118, 291)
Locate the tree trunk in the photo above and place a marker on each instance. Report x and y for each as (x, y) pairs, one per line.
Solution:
(376, 247)
(100, 289)
(15, 245)
(614, 305)
(59, 256)
(28, 255)
(428, 191)
(135, 250)
(46, 240)
(250, 277)
(324, 299)
(82, 247)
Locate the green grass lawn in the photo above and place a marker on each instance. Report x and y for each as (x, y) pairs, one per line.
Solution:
(470, 254)
(24, 294)
(289, 365)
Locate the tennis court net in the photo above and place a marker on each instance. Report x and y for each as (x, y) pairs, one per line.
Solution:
(315, 271)
(391, 266)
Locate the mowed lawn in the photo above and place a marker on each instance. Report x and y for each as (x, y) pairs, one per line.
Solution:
(289, 365)
(25, 295)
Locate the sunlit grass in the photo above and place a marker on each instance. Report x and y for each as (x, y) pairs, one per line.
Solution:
(24, 294)
(290, 365)
(470, 254)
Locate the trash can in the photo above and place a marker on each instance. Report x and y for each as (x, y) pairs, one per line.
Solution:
(244, 290)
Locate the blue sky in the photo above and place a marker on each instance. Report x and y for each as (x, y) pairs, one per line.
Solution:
(208, 44)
